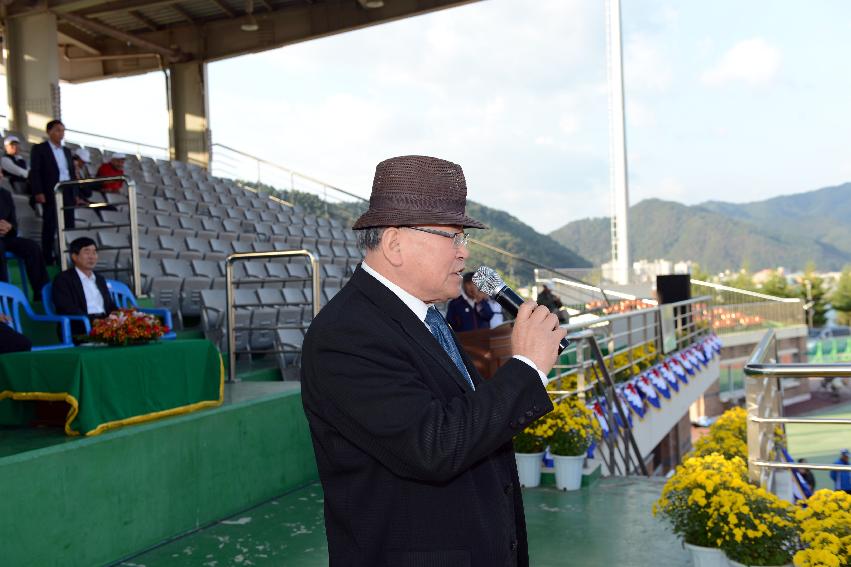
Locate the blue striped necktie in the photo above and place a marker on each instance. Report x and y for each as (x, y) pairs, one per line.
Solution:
(437, 324)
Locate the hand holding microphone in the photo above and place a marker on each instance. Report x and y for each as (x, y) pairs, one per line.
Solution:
(537, 334)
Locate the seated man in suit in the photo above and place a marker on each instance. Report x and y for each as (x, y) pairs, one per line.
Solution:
(79, 290)
(471, 310)
(28, 251)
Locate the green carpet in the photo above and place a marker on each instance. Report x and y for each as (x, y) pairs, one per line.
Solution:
(821, 443)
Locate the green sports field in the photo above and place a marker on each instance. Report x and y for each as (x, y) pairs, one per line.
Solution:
(821, 443)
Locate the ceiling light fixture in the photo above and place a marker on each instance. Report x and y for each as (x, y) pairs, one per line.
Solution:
(250, 23)
(371, 4)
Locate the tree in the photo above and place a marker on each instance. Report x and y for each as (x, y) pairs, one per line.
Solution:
(812, 290)
(778, 286)
(840, 299)
(697, 273)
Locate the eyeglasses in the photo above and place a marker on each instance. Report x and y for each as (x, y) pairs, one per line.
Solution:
(459, 239)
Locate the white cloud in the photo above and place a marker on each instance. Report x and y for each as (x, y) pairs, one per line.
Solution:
(646, 65)
(752, 61)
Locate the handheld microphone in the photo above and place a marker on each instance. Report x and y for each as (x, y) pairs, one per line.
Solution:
(489, 283)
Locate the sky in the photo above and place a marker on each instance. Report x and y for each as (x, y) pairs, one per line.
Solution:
(725, 100)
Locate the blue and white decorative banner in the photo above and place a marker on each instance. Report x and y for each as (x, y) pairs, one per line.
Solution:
(645, 387)
(659, 382)
(669, 376)
(631, 396)
(677, 369)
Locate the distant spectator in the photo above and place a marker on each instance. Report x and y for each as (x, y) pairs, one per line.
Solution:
(14, 166)
(842, 479)
(82, 159)
(113, 168)
(10, 339)
(470, 310)
(79, 290)
(50, 163)
(807, 475)
(26, 250)
(551, 301)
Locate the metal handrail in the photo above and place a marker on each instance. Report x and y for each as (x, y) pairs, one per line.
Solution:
(243, 256)
(765, 396)
(134, 225)
(606, 388)
(722, 287)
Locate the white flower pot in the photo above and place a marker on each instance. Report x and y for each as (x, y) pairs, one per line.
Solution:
(707, 556)
(568, 471)
(529, 468)
(737, 564)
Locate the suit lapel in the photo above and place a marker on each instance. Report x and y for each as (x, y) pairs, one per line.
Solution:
(410, 324)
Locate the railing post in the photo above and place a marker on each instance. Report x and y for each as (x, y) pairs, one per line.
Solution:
(134, 237)
(230, 308)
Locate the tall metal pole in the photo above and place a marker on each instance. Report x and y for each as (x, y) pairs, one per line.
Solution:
(618, 169)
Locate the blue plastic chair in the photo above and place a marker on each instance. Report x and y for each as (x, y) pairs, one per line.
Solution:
(47, 301)
(13, 300)
(124, 298)
(21, 268)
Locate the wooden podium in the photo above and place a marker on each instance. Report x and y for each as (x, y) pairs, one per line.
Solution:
(488, 348)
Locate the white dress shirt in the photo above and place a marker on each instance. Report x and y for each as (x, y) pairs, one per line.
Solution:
(420, 309)
(94, 300)
(61, 161)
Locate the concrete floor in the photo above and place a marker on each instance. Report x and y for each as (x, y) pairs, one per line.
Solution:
(606, 524)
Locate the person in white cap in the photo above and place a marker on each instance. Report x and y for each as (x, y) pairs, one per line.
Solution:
(14, 166)
(82, 159)
(113, 168)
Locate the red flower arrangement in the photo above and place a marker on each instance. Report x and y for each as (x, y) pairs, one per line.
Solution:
(127, 326)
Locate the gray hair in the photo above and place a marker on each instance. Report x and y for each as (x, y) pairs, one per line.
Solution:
(370, 238)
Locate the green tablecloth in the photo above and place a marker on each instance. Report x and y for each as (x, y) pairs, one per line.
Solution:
(107, 387)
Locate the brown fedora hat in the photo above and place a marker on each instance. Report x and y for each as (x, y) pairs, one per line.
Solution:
(412, 190)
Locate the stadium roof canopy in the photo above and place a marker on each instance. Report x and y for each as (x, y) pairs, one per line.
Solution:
(109, 38)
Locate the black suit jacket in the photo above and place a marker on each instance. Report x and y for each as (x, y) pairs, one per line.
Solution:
(70, 299)
(44, 171)
(418, 470)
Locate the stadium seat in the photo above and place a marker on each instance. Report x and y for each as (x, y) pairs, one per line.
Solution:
(13, 301)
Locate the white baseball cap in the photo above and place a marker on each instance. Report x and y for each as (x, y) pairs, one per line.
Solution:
(83, 155)
(10, 139)
(118, 155)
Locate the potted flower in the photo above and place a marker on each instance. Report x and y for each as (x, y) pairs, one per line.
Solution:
(825, 522)
(687, 504)
(728, 436)
(125, 327)
(529, 453)
(758, 527)
(569, 431)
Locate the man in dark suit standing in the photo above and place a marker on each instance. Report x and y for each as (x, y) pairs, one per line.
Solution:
(50, 163)
(79, 290)
(471, 310)
(25, 249)
(413, 446)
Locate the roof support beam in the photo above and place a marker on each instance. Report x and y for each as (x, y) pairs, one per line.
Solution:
(183, 13)
(143, 19)
(169, 54)
(224, 8)
(73, 36)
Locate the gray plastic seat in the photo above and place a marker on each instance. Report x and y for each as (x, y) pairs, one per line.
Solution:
(177, 268)
(190, 294)
(207, 268)
(165, 291)
(270, 297)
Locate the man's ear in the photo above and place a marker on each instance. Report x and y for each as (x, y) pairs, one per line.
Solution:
(391, 245)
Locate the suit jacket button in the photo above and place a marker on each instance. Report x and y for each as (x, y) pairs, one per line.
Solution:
(514, 545)
(512, 424)
(521, 420)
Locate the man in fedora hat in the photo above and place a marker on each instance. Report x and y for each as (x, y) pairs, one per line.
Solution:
(413, 447)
